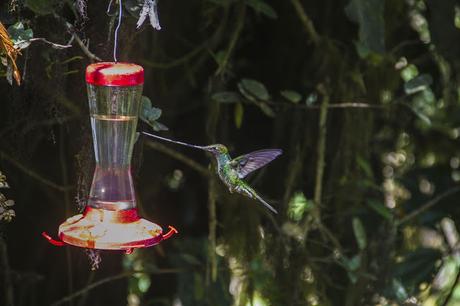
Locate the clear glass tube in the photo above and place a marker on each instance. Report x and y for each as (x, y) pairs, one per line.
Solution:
(114, 112)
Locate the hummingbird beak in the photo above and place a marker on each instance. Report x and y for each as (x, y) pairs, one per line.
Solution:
(174, 141)
(208, 149)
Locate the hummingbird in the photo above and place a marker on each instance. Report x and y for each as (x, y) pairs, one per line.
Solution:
(232, 171)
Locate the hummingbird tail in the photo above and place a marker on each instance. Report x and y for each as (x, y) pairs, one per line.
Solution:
(253, 194)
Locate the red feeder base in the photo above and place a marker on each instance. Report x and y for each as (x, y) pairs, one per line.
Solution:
(111, 230)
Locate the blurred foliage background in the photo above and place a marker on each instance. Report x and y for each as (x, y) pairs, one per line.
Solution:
(362, 96)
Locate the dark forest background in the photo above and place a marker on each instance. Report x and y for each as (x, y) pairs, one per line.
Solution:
(362, 96)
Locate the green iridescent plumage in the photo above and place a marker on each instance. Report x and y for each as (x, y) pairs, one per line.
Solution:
(232, 171)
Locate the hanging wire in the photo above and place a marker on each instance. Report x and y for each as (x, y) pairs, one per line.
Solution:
(115, 40)
(109, 6)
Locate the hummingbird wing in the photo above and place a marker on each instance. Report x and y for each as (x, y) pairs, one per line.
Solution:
(250, 162)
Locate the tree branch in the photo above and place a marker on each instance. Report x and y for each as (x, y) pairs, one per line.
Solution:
(5, 270)
(429, 204)
(234, 39)
(108, 280)
(52, 44)
(306, 21)
(322, 132)
(34, 174)
(75, 37)
(179, 156)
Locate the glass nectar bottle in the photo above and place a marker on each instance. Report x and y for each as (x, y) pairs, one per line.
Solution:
(110, 219)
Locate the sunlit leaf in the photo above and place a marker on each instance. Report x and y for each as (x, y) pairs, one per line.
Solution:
(424, 118)
(239, 113)
(262, 7)
(446, 274)
(418, 83)
(144, 282)
(409, 72)
(360, 233)
(291, 96)
(298, 206)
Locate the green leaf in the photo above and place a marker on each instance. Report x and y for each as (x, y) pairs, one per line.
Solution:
(297, 206)
(351, 264)
(239, 113)
(41, 7)
(220, 2)
(267, 110)
(424, 118)
(150, 115)
(311, 99)
(19, 35)
(369, 15)
(409, 72)
(418, 83)
(360, 233)
(291, 96)
(379, 208)
(252, 88)
(364, 165)
(226, 97)
(399, 290)
(417, 266)
(219, 57)
(262, 7)
(158, 126)
(144, 282)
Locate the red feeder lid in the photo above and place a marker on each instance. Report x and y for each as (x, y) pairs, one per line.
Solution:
(114, 74)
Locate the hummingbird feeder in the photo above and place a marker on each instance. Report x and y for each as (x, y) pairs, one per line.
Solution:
(110, 220)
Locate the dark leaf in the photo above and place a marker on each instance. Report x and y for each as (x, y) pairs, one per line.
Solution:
(381, 209)
(368, 14)
(360, 233)
(226, 97)
(262, 7)
(150, 115)
(41, 7)
(266, 109)
(254, 89)
(417, 267)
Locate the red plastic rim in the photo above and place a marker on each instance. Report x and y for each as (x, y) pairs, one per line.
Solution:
(114, 74)
(110, 230)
